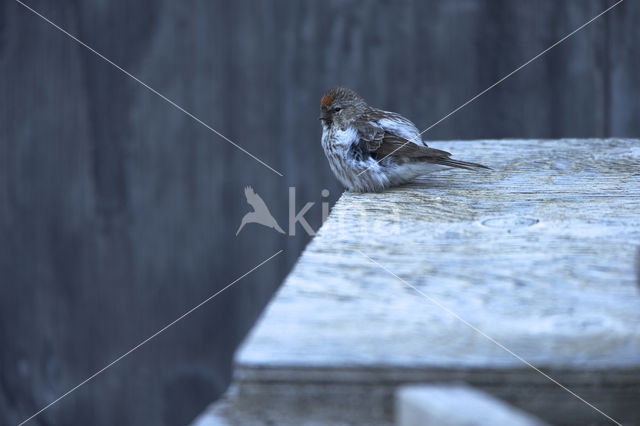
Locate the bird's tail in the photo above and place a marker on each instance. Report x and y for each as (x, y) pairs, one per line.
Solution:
(462, 164)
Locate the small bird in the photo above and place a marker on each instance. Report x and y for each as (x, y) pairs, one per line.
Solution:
(260, 213)
(370, 150)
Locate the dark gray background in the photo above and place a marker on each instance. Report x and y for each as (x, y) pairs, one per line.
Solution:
(118, 212)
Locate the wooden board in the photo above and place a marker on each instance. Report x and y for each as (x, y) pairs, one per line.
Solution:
(539, 254)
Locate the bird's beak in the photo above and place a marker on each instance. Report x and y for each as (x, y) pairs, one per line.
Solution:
(324, 116)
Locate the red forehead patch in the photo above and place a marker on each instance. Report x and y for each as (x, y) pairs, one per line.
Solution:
(326, 100)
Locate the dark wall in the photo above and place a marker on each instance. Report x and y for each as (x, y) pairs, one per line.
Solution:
(118, 212)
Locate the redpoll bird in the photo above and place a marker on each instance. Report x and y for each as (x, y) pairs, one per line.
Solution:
(370, 149)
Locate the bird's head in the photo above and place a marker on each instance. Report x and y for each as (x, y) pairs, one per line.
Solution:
(340, 106)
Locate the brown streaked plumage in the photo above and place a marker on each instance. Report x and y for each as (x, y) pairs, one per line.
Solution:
(370, 149)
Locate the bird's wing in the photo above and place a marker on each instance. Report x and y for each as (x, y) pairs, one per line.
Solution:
(396, 124)
(389, 134)
(394, 145)
(395, 136)
(370, 135)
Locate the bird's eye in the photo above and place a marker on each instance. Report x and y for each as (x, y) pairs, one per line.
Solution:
(337, 109)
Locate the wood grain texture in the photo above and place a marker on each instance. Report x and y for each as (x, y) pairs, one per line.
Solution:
(539, 254)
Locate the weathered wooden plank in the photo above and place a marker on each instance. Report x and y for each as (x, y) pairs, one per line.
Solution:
(433, 405)
(539, 254)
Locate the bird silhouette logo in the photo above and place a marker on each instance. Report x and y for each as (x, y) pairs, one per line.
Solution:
(260, 213)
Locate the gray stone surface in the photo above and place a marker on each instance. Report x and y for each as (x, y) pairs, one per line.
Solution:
(538, 254)
(448, 405)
